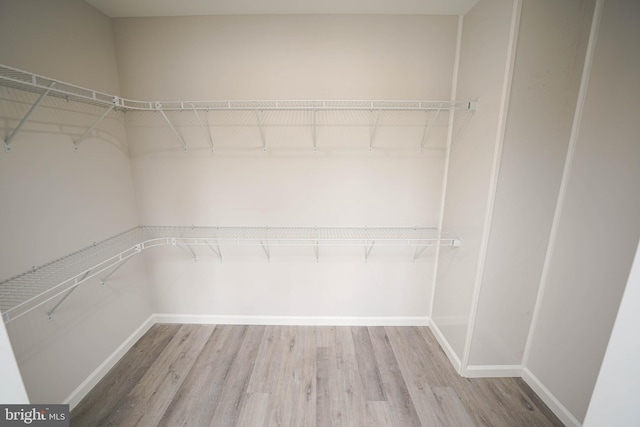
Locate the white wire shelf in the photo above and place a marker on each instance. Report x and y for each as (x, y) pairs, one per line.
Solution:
(25, 80)
(25, 292)
(46, 86)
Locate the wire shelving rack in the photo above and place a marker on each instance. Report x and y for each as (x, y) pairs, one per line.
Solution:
(46, 86)
(28, 291)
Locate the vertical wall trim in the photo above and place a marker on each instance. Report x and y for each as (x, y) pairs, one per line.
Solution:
(573, 138)
(493, 182)
(445, 173)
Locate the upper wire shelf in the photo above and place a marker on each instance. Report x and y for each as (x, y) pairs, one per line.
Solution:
(27, 291)
(25, 80)
(45, 86)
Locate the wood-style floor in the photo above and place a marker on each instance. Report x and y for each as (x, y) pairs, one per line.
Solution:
(204, 375)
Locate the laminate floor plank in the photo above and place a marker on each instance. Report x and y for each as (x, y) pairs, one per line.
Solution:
(295, 404)
(328, 407)
(367, 365)
(378, 413)
(454, 410)
(537, 402)
(415, 367)
(438, 368)
(325, 336)
(253, 411)
(237, 380)
(274, 356)
(110, 393)
(403, 409)
(522, 408)
(198, 396)
(148, 400)
(349, 390)
(224, 375)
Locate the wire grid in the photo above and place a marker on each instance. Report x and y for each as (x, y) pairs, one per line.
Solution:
(24, 80)
(418, 236)
(21, 293)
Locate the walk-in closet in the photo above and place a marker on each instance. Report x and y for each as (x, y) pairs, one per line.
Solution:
(431, 207)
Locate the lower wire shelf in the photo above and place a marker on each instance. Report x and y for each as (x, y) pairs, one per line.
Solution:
(27, 291)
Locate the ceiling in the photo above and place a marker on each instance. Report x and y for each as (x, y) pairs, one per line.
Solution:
(145, 8)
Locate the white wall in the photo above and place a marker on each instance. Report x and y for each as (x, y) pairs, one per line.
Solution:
(615, 396)
(552, 41)
(12, 387)
(56, 201)
(288, 57)
(46, 37)
(484, 76)
(598, 223)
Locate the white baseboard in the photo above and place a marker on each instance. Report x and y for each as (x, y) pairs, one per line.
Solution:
(493, 371)
(212, 319)
(446, 347)
(81, 391)
(550, 400)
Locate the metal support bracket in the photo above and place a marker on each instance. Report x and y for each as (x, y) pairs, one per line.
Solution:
(206, 128)
(69, 292)
(313, 131)
(367, 250)
(419, 250)
(262, 137)
(316, 249)
(88, 131)
(217, 252)
(189, 250)
(121, 262)
(265, 248)
(428, 126)
(374, 130)
(175, 131)
(7, 142)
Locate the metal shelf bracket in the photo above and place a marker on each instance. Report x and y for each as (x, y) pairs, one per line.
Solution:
(313, 131)
(69, 292)
(374, 129)
(43, 95)
(428, 127)
(316, 250)
(265, 248)
(88, 131)
(217, 252)
(419, 250)
(175, 131)
(367, 250)
(186, 248)
(261, 129)
(206, 128)
(121, 262)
